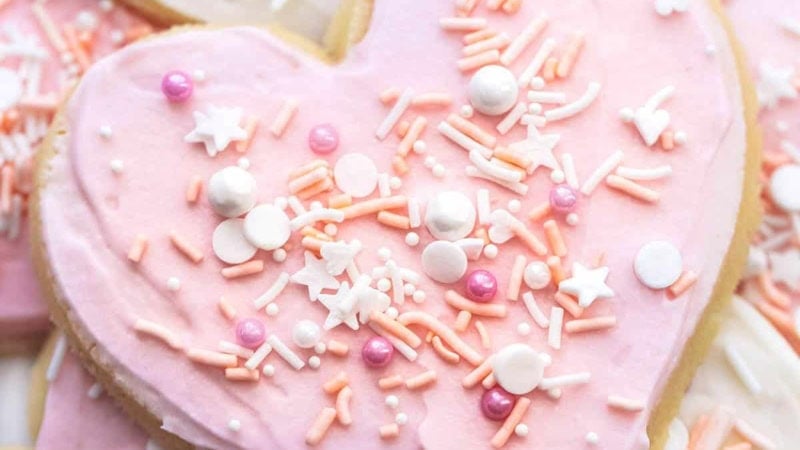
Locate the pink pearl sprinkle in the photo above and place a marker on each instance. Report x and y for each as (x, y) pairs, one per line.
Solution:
(177, 86)
(563, 198)
(481, 286)
(323, 139)
(250, 333)
(496, 403)
(377, 351)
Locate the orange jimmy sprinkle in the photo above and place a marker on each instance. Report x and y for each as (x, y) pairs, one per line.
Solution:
(455, 300)
(771, 292)
(194, 189)
(250, 126)
(540, 212)
(462, 321)
(336, 383)
(399, 165)
(520, 408)
(402, 128)
(489, 382)
(556, 269)
(308, 230)
(518, 159)
(497, 42)
(593, 324)
(512, 6)
(187, 248)
(471, 63)
(494, 5)
(668, 140)
(321, 424)
(211, 358)
(311, 243)
(343, 406)
(479, 35)
(375, 205)
(486, 340)
(444, 352)
(389, 431)
(528, 238)
(782, 321)
(6, 187)
(157, 331)
(412, 135)
(515, 280)
(687, 279)
(138, 248)
(432, 100)
(739, 446)
(390, 382)
(227, 310)
(477, 133)
(448, 335)
(421, 380)
(242, 374)
(244, 269)
(338, 348)
(40, 104)
(339, 201)
(479, 373)
(394, 220)
(74, 45)
(285, 115)
(389, 95)
(570, 55)
(697, 431)
(319, 187)
(308, 179)
(569, 304)
(554, 238)
(306, 168)
(549, 69)
(632, 188)
(396, 328)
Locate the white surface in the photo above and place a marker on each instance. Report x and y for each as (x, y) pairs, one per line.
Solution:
(15, 381)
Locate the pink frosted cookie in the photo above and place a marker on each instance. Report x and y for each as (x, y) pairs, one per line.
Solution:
(490, 225)
(44, 46)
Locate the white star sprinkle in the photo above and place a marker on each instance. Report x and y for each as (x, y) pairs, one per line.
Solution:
(341, 307)
(338, 255)
(371, 300)
(774, 84)
(587, 284)
(315, 276)
(217, 129)
(539, 147)
(786, 268)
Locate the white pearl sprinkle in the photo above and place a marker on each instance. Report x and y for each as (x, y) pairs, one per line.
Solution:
(592, 438)
(412, 239)
(306, 334)
(331, 229)
(681, 138)
(521, 430)
(243, 162)
(554, 393)
(314, 362)
(710, 49)
(173, 284)
(105, 132)
(490, 251)
(418, 296)
(535, 108)
(392, 312)
(439, 171)
(572, 219)
(409, 289)
(395, 183)
(384, 285)
(117, 36)
(514, 206)
(524, 329)
(117, 166)
(401, 418)
(279, 255)
(557, 176)
(268, 370)
(320, 348)
(272, 310)
(466, 111)
(392, 401)
(384, 254)
(420, 147)
(429, 162)
(537, 83)
(199, 75)
(234, 425)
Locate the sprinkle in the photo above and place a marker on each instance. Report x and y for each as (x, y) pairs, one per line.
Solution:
(307, 168)
(524, 39)
(285, 352)
(533, 308)
(394, 115)
(556, 269)
(570, 55)
(754, 436)
(540, 212)
(477, 61)
(401, 418)
(603, 170)
(242, 374)
(250, 126)
(511, 118)
(517, 187)
(138, 249)
(258, 356)
(462, 140)
(432, 99)
(343, 406)
(336, 383)
(174, 284)
(473, 131)
(489, 382)
(59, 351)
(95, 390)
(389, 96)
(494, 171)
(412, 135)
(560, 381)
(421, 380)
(389, 431)
(593, 324)
(444, 352)
(244, 269)
(655, 173)
(530, 240)
(462, 321)
(520, 408)
(554, 331)
(547, 97)
(283, 118)
(716, 432)
(317, 215)
(308, 179)
(570, 175)
(462, 23)
(549, 69)
(554, 238)
(632, 188)
(390, 382)
(234, 349)
(373, 206)
(515, 280)
(158, 331)
(575, 107)
(194, 189)
(479, 373)
(401, 346)
(321, 424)
(268, 370)
(394, 220)
(741, 368)
(234, 425)
(479, 309)
(625, 404)
(49, 27)
(782, 322)
(478, 35)
(486, 340)
(211, 358)
(496, 42)
(319, 187)
(184, 246)
(537, 62)
(395, 328)
(683, 283)
(441, 330)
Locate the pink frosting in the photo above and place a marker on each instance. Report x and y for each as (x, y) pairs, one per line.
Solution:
(74, 420)
(22, 309)
(92, 216)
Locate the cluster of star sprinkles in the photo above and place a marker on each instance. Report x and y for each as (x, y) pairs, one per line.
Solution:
(388, 300)
(27, 104)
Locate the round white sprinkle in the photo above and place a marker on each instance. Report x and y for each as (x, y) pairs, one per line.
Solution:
(267, 227)
(117, 166)
(557, 176)
(514, 206)
(490, 251)
(268, 370)
(418, 296)
(401, 418)
(572, 219)
(626, 115)
(173, 284)
(232, 191)
(306, 334)
(314, 362)
(392, 401)
(117, 36)
(384, 254)
(331, 229)
(105, 5)
(86, 21)
(466, 111)
(710, 49)
(524, 329)
(681, 138)
(279, 255)
(444, 261)
(105, 132)
(412, 239)
(243, 162)
(229, 243)
(450, 216)
(419, 147)
(521, 430)
(439, 171)
(281, 203)
(272, 309)
(658, 264)
(535, 108)
(518, 368)
(784, 187)
(395, 183)
(493, 90)
(234, 425)
(429, 162)
(392, 312)
(409, 289)
(356, 174)
(554, 393)
(199, 75)
(537, 275)
(384, 285)
(537, 83)
(592, 438)
(320, 348)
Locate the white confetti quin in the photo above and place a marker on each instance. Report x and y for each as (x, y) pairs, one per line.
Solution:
(444, 261)
(658, 264)
(355, 174)
(784, 187)
(518, 368)
(229, 243)
(267, 227)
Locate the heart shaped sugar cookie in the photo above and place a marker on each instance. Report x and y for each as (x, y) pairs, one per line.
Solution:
(309, 344)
